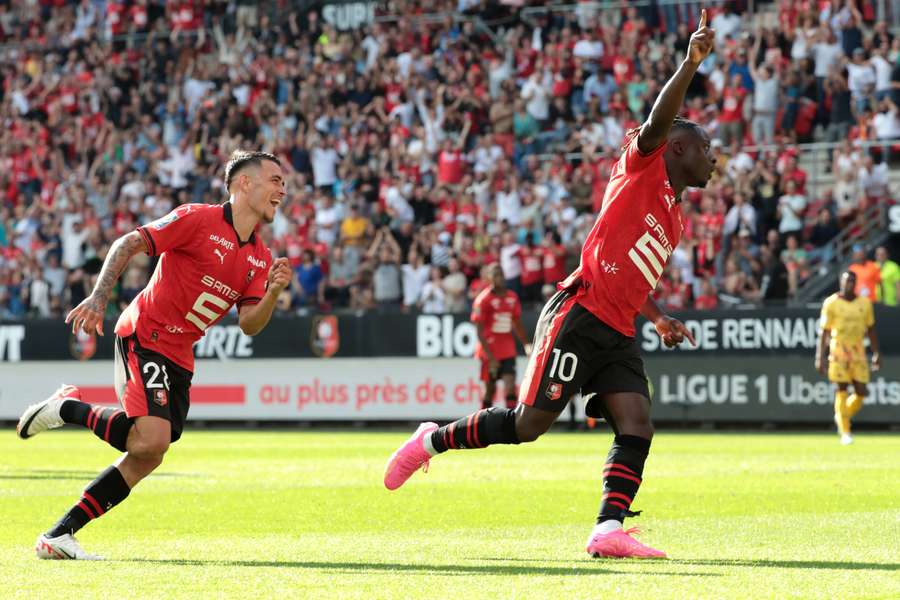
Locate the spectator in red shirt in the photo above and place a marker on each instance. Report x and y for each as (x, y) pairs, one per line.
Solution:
(450, 164)
(708, 299)
(554, 258)
(532, 270)
(731, 117)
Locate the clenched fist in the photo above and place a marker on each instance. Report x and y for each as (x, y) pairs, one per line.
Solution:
(280, 275)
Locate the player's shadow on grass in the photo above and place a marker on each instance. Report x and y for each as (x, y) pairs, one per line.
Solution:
(790, 564)
(739, 562)
(63, 474)
(354, 567)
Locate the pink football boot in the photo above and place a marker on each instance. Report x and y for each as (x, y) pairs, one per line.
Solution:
(620, 544)
(408, 458)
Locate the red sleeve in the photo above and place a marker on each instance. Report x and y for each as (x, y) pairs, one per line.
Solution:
(634, 161)
(178, 228)
(258, 285)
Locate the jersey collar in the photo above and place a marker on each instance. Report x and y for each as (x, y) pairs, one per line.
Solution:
(229, 218)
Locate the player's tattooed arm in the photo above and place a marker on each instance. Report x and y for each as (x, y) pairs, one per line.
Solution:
(670, 100)
(88, 315)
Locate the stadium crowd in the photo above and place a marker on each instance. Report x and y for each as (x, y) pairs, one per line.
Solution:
(419, 150)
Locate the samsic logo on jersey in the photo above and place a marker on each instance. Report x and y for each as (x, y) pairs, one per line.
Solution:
(325, 337)
(220, 287)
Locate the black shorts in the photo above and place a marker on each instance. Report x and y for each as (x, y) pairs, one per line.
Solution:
(507, 366)
(150, 384)
(574, 351)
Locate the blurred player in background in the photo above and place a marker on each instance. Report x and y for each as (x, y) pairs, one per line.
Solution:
(584, 339)
(210, 259)
(846, 320)
(497, 313)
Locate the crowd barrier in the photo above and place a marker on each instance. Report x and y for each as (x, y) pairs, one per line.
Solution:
(751, 367)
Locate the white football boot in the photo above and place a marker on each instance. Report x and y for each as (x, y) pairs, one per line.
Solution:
(45, 415)
(63, 547)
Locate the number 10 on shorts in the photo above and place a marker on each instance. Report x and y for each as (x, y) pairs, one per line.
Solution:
(567, 362)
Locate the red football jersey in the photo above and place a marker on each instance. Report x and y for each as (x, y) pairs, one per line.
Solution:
(496, 312)
(630, 244)
(202, 272)
(532, 265)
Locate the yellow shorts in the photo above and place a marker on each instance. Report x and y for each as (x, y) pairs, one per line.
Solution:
(848, 371)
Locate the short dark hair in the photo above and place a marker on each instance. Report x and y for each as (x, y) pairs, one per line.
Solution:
(242, 158)
(687, 124)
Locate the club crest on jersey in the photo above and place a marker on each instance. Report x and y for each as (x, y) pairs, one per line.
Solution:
(250, 275)
(160, 397)
(165, 221)
(554, 390)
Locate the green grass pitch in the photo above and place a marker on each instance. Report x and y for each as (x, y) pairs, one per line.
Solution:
(290, 515)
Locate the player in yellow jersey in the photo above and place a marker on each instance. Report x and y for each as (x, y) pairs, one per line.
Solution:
(846, 320)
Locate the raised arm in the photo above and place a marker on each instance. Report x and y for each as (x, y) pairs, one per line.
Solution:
(656, 129)
(89, 314)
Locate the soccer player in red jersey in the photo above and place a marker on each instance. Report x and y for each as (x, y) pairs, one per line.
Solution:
(584, 340)
(210, 259)
(496, 313)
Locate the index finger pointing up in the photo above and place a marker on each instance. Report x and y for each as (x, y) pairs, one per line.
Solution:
(702, 23)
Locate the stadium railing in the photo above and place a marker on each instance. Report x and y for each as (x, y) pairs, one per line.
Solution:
(872, 232)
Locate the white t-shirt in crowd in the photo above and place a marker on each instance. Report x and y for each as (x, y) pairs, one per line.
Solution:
(882, 73)
(791, 212)
(328, 220)
(585, 48)
(508, 207)
(324, 165)
(413, 280)
(825, 55)
(887, 125)
(726, 25)
(72, 241)
(433, 298)
(537, 97)
(510, 261)
(765, 95)
(860, 78)
(874, 183)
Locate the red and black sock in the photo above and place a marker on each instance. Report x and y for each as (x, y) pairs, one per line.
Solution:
(622, 476)
(511, 400)
(109, 489)
(479, 430)
(109, 424)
